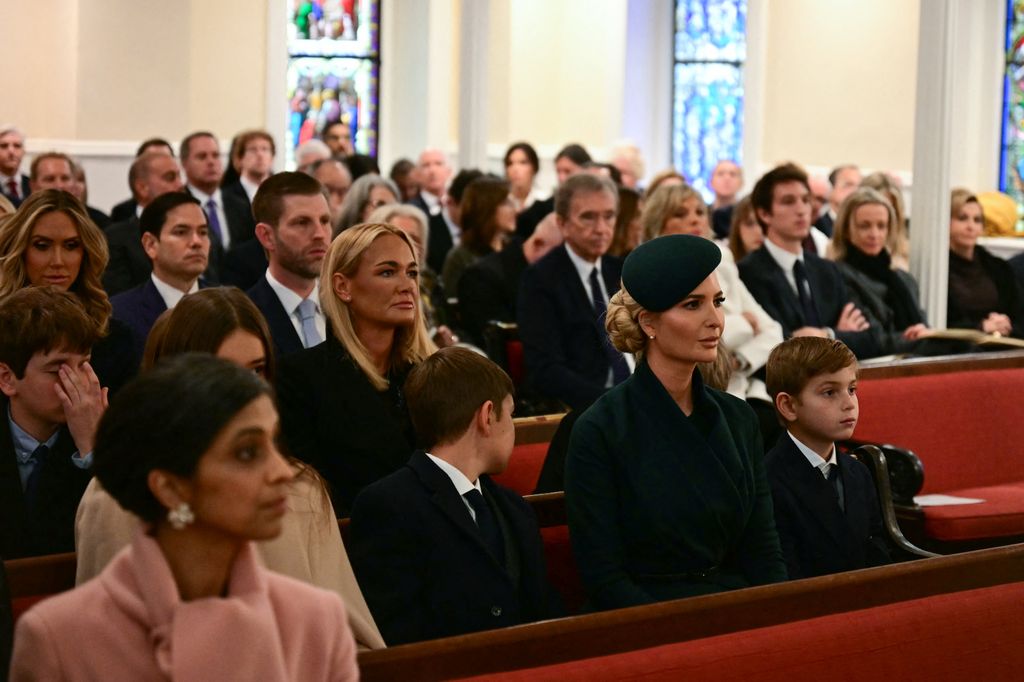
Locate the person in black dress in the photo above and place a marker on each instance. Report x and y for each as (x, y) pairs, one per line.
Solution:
(665, 483)
(983, 293)
(887, 296)
(341, 402)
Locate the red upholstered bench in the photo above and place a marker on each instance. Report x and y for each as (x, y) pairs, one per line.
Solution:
(34, 579)
(533, 435)
(967, 428)
(971, 635)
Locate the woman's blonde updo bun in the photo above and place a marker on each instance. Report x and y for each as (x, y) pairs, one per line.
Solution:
(623, 324)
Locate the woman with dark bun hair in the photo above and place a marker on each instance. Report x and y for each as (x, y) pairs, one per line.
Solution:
(189, 447)
(665, 484)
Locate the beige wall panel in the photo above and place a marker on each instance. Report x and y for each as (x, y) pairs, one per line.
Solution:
(840, 82)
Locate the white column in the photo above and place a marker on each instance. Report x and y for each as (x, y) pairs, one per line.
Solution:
(933, 137)
(275, 103)
(474, 29)
(647, 101)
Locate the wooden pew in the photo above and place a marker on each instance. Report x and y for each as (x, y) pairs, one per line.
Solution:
(951, 425)
(533, 434)
(632, 629)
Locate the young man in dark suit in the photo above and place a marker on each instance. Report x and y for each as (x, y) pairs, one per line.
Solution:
(13, 184)
(437, 547)
(564, 295)
(826, 510)
(230, 219)
(50, 405)
(801, 291)
(176, 239)
(154, 173)
(294, 229)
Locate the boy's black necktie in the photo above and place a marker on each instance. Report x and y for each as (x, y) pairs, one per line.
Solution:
(487, 524)
(40, 454)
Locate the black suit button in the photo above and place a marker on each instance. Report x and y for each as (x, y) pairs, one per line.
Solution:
(495, 611)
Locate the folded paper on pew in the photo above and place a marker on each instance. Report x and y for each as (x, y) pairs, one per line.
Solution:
(944, 500)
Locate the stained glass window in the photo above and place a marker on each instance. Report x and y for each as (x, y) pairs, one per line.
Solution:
(707, 107)
(1011, 169)
(333, 70)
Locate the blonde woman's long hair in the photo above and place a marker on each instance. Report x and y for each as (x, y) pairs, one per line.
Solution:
(662, 202)
(411, 345)
(16, 236)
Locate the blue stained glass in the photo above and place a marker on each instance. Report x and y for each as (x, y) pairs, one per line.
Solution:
(707, 120)
(1011, 171)
(711, 30)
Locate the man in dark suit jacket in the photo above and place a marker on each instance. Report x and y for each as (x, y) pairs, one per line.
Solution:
(801, 291)
(826, 509)
(230, 218)
(560, 314)
(489, 288)
(45, 444)
(444, 225)
(13, 184)
(294, 230)
(438, 548)
(150, 175)
(175, 238)
(434, 173)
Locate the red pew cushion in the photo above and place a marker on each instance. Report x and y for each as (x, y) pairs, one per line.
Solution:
(1002, 514)
(967, 427)
(561, 566)
(523, 468)
(972, 635)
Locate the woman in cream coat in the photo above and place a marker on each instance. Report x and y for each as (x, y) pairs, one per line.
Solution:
(750, 333)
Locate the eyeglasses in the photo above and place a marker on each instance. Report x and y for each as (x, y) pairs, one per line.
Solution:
(591, 219)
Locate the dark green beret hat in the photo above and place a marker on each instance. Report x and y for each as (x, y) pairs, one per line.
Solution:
(662, 272)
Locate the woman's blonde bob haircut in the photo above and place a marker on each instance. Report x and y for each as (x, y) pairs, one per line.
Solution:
(862, 196)
(662, 202)
(16, 236)
(412, 344)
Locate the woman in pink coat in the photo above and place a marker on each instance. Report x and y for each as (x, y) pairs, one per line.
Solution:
(190, 448)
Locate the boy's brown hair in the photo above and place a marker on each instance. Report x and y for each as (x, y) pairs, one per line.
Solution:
(39, 320)
(446, 389)
(793, 363)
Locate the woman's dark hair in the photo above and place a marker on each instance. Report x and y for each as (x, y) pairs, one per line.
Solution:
(526, 148)
(360, 165)
(201, 322)
(479, 205)
(166, 419)
(629, 208)
(575, 153)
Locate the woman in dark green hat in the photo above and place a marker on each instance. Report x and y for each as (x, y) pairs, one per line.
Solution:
(665, 483)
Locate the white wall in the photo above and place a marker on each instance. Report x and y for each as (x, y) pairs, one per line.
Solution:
(827, 82)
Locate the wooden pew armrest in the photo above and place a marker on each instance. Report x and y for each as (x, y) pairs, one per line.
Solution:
(876, 461)
(905, 469)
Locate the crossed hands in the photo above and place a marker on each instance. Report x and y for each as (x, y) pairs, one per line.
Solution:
(850, 320)
(84, 402)
(997, 323)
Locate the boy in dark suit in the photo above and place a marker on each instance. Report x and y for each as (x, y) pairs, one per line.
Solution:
(50, 404)
(826, 510)
(437, 547)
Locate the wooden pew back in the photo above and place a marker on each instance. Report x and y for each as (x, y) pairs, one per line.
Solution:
(642, 627)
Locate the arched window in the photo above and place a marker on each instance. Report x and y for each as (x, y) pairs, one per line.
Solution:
(707, 110)
(1011, 167)
(333, 70)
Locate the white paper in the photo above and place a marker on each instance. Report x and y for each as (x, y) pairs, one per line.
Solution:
(943, 500)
